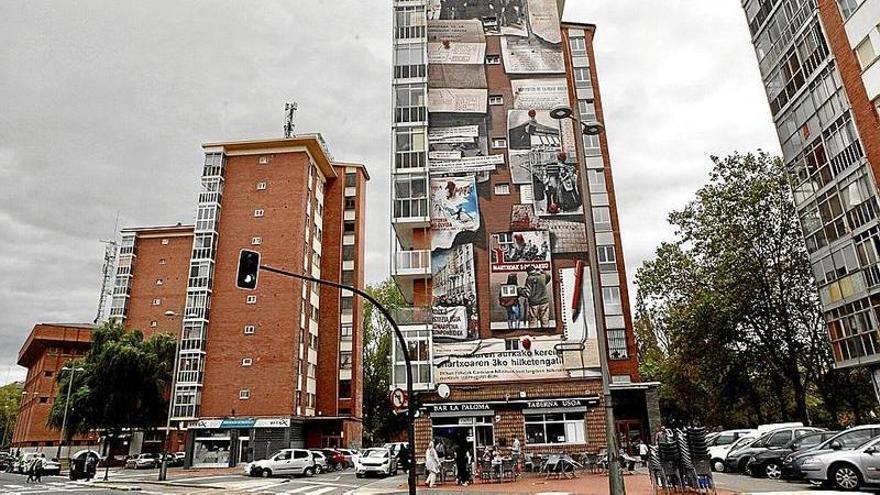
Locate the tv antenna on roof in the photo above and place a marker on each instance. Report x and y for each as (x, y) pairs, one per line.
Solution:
(289, 113)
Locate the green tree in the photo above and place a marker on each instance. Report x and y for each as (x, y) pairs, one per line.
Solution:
(380, 424)
(729, 317)
(10, 398)
(124, 383)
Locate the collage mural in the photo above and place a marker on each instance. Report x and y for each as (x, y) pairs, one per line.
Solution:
(547, 217)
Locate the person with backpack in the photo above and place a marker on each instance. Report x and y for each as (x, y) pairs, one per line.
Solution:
(39, 464)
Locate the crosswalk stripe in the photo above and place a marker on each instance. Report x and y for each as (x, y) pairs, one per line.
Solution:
(300, 489)
(13, 487)
(319, 491)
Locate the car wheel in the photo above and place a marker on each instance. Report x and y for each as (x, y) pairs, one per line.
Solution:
(308, 472)
(846, 477)
(742, 467)
(773, 470)
(256, 472)
(319, 469)
(718, 465)
(266, 473)
(359, 475)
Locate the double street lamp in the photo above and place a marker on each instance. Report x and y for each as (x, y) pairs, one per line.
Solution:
(594, 128)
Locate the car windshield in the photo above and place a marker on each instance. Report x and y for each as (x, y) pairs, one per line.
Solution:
(377, 453)
(874, 441)
(742, 442)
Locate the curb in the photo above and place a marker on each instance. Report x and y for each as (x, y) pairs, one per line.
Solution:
(158, 483)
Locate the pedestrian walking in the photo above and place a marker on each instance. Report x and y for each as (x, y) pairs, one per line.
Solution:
(462, 465)
(403, 458)
(39, 463)
(643, 453)
(432, 465)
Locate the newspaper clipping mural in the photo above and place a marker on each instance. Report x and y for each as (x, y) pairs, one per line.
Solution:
(488, 359)
(521, 281)
(453, 209)
(566, 236)
(454, 286)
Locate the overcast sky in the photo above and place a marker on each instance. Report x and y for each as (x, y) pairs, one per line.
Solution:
(104, 105)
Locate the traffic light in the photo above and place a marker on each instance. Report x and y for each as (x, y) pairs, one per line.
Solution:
(248, 266)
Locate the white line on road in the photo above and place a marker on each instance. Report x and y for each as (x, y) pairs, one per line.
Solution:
(300, 489)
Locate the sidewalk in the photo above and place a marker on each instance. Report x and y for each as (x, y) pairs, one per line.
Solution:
(585, 484)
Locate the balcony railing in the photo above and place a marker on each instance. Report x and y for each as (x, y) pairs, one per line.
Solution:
(412, 315)
(411, 208)
(412, 262)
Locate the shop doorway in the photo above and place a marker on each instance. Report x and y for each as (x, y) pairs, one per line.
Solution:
(473, 433)
(629, 434)
(245, 452)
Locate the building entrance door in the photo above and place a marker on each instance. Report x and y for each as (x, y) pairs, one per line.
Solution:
(244, 450)
(473, 433)
(629, 434)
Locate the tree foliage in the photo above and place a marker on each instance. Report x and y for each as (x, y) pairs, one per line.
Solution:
(380, 424)
(728, 314)
(10, 398)
(123, 383)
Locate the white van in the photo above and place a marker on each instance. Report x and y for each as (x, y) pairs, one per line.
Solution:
(287, 461)
(775, 426)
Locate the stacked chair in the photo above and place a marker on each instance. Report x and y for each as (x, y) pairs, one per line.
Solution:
(680, 463)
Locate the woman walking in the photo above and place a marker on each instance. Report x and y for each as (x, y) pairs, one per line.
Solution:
(432, 465)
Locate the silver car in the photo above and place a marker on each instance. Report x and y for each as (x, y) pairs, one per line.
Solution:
(848, 470)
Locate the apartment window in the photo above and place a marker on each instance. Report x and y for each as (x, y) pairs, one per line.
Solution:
(348, 252)
(511, 344)
(349, 203)
(347, 305)
(159, 281)
(502, 189)
(261, 186)
(44, 400)
(344, 389)
(313, 341)
(251, 299)
(244, 394)
(47, 374)
(607, 259)
(578, 46)
(258, 213)
(249, 329)
(596, 178)
(418, 343)
(410, 103)
(409, 22)
(611, 300)
(496, 100)
(602, 218)
(848, 7)
(409, 61)
(499, 143)
(256, 241)
(582, 77)
(154, 323)
(617, 344)
(348, 227)
(409, 147)
(264, 160)
(568, 427)
(157, 302)
(350, 179)
(164, 242)
(161, 261)
(247, 362)
(865, 53)
(347, 332)
(348, 277)
(345, 360)
(493, 59)
(587, 109)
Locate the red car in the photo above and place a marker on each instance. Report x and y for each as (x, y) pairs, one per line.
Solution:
(335, 459)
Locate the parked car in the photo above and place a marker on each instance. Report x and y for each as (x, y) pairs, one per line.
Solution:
(376, 460)
(728, 437)
(173, 460)
(50, 466)
(349, 455)
(142, 461)
(321, 464)
(738, 459)
(845, 440)
(718, 453)
(287, 461)
(335, 459)
(769, 463)
(7, 462)
(848, 470)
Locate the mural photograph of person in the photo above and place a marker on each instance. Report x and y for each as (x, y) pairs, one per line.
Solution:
(521, 281)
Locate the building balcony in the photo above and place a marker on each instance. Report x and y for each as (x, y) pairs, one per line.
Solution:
(409, 214)
(412, 316)
(415, 264)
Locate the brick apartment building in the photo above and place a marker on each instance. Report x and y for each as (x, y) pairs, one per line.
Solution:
(48, 348)
(490, 239)
(281, 365)
(819, 63)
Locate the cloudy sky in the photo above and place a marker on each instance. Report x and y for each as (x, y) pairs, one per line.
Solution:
(104, 105)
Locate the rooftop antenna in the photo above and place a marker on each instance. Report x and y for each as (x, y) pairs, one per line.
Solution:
(289, 114)
(108, 272)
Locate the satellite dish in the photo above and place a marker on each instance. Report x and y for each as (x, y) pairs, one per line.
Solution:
(443, 391)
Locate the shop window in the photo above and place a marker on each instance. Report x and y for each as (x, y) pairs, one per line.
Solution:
(565, 428)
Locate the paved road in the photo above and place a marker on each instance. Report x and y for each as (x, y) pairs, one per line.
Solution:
(747, 484)
(15, 484)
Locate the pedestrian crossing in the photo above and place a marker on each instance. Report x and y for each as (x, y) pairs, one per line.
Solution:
(43, 487)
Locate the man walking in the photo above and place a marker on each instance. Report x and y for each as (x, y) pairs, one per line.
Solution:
(538, 297)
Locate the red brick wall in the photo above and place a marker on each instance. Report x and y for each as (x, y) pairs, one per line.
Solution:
(274, 346)
(70, 343)
(329, 325)
(147, 269)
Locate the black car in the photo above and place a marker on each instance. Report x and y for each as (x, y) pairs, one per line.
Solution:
(845, 440)
(738, 460)
(769, 462)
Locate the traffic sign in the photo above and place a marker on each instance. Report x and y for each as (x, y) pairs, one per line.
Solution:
(398, 398)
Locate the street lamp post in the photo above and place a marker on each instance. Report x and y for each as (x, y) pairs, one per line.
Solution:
(163, 466)
(72, 371)
(411, 407)
(615, 478)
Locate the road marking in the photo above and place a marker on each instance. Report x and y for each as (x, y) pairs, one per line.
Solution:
(261, 487)
(300, 489)
(13, 487)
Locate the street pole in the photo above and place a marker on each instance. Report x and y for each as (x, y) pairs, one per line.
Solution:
(66, 405)
(615, 476)
(163, 467)
(411, 406)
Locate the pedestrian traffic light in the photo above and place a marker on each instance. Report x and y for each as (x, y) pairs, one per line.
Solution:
(248, 266)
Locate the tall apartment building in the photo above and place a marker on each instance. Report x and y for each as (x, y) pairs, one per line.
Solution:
(819, 65)
(281, 365)
(47, 349)
(489, 233)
